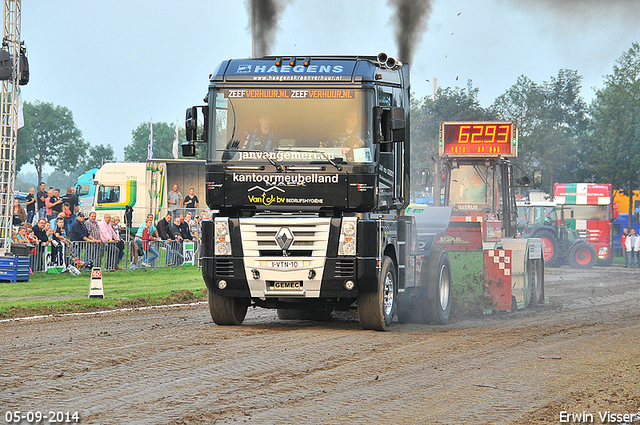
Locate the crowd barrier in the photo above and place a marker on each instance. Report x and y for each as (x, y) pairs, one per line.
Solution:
(55, 257)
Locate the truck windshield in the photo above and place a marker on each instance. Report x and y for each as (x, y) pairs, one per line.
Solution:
(292, 125)
(590, 212)
(471, 187)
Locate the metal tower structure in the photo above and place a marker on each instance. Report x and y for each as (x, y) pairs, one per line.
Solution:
(9, 122)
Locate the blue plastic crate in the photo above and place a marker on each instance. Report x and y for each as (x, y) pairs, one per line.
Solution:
(14, 269)
(8, 262)
(8, 274)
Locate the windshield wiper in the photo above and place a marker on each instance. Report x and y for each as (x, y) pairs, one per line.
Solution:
(275, 164)
(331, 161)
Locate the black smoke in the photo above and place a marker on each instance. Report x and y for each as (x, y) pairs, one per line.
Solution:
(410, 21)
(265, 15)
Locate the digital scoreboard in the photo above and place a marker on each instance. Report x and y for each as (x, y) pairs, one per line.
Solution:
(478, 138)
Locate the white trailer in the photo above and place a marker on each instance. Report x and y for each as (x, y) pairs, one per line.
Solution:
(143, 186)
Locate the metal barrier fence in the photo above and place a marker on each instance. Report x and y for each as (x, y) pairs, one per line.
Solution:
(55, 257)
(139, 215)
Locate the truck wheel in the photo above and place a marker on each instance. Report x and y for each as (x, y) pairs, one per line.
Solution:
(534, 283)
(439, 280)
(375, 309)
(227, 310)
(549, 247)
(315, 315)
(582, 256)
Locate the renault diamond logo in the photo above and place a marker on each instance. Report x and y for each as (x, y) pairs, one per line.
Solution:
(284, 238)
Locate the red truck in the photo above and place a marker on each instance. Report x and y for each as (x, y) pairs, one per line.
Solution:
(589, 209)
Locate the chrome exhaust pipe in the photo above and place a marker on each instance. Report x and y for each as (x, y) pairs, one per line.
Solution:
(386, 61)
(382, 59)
(391, 63)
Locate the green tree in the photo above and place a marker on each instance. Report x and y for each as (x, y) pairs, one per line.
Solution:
(163, 134)
(552, 122)
(614, 146)
(61, 180)
(450, 104)
(97, 156)
(49, 136)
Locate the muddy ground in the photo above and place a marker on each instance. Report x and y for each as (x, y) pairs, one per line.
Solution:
(579, 354)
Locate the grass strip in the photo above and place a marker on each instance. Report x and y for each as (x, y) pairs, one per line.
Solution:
(64, 293)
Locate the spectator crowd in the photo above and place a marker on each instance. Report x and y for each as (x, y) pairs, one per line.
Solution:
(62, 235)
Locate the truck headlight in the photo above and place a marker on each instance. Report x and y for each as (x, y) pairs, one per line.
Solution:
(603, 250)
(223, 239)
(347, 244)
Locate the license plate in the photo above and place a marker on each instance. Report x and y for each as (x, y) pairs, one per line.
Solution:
(285, 264)
(285, 286)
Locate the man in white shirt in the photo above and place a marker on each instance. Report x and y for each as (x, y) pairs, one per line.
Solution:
(633, 246)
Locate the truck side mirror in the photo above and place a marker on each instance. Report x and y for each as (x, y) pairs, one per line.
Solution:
(188, 149)
(397, 125)
(191, 123)
(537, 177)
(426, 177)
(390, 124)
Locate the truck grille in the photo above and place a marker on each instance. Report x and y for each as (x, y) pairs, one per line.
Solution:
(224, 267)
(310, 236)
(345, 268)
(592, 235)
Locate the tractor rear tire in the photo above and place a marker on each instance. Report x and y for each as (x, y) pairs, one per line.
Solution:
(582, 256)
(549, 247)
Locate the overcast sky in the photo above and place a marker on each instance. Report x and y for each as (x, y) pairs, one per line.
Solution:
(117, 63)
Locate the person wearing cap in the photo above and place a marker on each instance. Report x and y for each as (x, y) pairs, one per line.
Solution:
(78, 233)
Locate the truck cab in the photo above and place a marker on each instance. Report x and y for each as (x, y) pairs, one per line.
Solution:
(308, 168)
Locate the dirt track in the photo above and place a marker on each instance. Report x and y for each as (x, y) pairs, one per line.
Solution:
(579, 354)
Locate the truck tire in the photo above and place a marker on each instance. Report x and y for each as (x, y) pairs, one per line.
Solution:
(534, 281)
(549, 247)
(582, 256)
(315, 315)
(375, 309)
(439, 280)
(227, 310)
